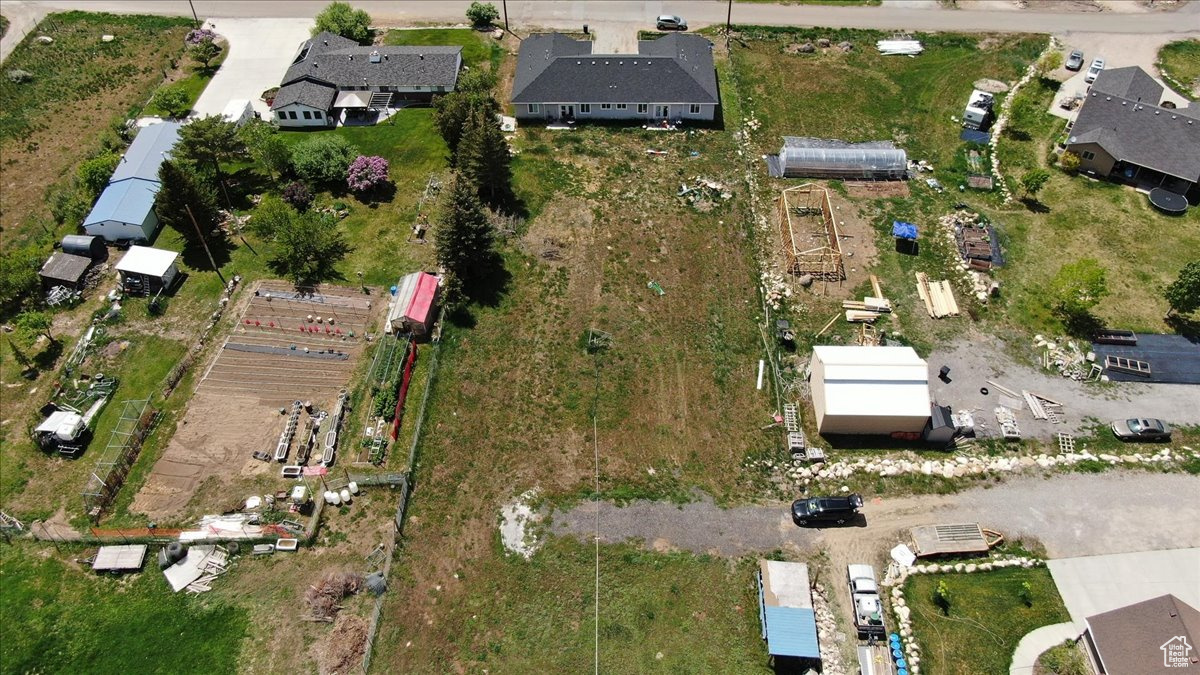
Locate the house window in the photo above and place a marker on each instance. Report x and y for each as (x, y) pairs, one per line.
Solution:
(417, 87)
(622, 106)
(585, 108)
(280, 115)
(317, 114)
(1088, 155)
(291, 114)
(535, 108)
(606, 106)
(694, 109)
(641, 108)
(307, 115)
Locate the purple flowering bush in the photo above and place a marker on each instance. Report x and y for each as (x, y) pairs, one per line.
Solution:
(367, 173)
(199, 35)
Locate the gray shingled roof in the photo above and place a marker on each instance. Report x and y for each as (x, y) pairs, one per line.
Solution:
(1129, 638)
(65, 267)
(1144, 134)
(673, 69)
(1130, 82)
(307, 92)
(339, 63)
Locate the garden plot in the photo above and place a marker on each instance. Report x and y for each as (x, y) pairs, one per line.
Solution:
(274, 355)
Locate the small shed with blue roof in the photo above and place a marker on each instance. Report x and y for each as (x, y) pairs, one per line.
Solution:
(125, 210)
(789, 624)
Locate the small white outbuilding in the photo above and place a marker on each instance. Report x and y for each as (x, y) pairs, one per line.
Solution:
(146, 271)
(869, 390)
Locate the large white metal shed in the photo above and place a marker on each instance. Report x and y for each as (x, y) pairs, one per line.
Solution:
(869, 390)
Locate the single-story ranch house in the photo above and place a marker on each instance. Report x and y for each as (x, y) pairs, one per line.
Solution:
(671, 78)
(332, 77)
(1123, 131)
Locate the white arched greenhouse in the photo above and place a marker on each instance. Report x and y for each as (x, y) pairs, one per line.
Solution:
(802, 157)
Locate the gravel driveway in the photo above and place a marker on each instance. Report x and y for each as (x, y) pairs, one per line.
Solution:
(1072, 515)
(980, 358)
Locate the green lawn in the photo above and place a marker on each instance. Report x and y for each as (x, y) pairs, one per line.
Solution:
(987, 617)
(674, 612)
(478, 47)
(64, 618)
(1180, 63)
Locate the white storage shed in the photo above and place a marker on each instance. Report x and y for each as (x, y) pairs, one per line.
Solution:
(146, 271)
(869, 390)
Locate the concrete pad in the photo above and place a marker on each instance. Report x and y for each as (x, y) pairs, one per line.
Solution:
(260, 51)
(615, 38)
(1037, 641)
(1102, 583)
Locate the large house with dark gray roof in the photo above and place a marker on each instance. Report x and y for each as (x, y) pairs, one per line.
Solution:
(1123, 130)
(559, 79)
(332, 78)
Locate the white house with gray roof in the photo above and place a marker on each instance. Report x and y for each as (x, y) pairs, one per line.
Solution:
(559, 79)
(1124, 131)
(332, 76)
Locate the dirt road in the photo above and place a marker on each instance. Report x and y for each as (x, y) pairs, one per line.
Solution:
(1071, 515)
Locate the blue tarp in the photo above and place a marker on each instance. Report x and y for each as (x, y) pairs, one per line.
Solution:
(903, 230)
(147, 152)
(975, 136)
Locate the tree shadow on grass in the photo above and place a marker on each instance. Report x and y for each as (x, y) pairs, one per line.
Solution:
(1034, 205)
(1188, 327)
(194, 255)
(1082, 325)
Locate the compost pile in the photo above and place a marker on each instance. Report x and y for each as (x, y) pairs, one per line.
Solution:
(324, 597)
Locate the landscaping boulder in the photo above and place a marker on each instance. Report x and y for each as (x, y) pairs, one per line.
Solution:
(845, 46)
(823, 42)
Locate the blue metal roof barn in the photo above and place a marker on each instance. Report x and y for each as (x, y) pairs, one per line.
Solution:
(147, 151)
(789, 624)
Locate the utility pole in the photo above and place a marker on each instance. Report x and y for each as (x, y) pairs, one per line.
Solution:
(194, 17)
(728, 21)
(505, 4)
(204, 243)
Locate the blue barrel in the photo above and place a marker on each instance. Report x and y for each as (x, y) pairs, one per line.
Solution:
(896, 653)
(394, 289)
(894, 637)
(901, 664)
(902, 671)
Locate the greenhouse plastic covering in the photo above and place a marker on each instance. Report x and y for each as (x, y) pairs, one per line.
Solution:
(830, 156)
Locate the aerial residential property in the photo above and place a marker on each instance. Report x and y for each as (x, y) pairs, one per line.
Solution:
(332, 78)
(576, 337)
(560, 78)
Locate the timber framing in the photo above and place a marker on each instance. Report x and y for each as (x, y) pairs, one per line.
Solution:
(809, 237)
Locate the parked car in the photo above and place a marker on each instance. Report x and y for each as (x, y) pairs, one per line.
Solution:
(1094, 70)
(826, 509)
(671, 22)
(1075, 60)
(1142, 429)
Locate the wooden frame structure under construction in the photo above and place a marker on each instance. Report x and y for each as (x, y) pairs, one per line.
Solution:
(809, 237)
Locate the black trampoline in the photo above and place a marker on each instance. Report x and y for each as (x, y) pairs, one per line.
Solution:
(1168, 202)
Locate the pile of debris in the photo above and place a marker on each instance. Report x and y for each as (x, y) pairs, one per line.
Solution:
(1067, 358)
(703, 193)
(325, 596)
(870, 307)
(775, 288)
(213, 565)
(978, 248)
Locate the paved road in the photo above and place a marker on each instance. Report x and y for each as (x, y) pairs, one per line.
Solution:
(893, 15)
(1072, 515)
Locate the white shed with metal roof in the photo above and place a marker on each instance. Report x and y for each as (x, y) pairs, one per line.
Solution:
(869, 390)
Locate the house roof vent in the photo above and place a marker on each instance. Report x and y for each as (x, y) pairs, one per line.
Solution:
(375, 58)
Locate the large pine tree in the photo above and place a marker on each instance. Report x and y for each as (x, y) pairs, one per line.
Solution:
(452, 111)
(183, 188)
(464, 240)
(484, 160)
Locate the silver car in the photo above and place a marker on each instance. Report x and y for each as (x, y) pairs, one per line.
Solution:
(1075, 60)
(671, 22)
(1141, 429)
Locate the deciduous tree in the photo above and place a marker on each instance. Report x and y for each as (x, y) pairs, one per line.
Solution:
(1183, 294)
(31, 325)
(204, 52)
(19, 279)
(1077, 288)
(93, 174)
(323, 159)
(266, 147)
(172, 100)
(1033, 182)
(340, 18)
(307, 248)
(482, 14)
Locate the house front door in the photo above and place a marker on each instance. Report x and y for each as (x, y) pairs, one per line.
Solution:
(566, 111)
(662, 111)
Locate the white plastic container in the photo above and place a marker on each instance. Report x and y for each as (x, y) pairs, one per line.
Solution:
(345, 495)
(334, 498)
(353, 487)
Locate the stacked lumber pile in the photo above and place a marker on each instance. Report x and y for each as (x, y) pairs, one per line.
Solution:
(937, 296)
(978, 248)
(1043, 408)
(870, 307)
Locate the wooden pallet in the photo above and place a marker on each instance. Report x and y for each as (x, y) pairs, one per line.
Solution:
(1066, 443)
(1124, 365)
(791, 418)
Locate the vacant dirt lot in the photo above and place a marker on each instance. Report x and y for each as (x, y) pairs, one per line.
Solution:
(236, 407)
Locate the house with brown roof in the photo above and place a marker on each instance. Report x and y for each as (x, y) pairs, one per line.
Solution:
(1158, 635)
(1127, 131)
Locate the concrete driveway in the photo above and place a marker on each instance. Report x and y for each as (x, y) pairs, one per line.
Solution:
(1117, 51)
(260, 51)
(1102, 583)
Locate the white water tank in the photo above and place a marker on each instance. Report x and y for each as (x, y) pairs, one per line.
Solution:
(334, 498)
(353, 487)
(345, 495)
